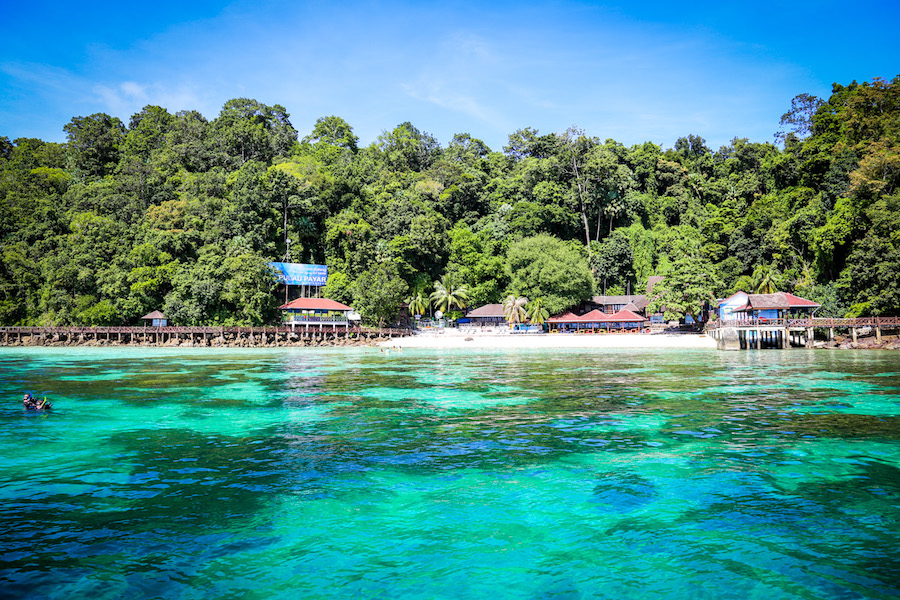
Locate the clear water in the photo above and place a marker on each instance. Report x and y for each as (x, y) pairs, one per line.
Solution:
(445, 474)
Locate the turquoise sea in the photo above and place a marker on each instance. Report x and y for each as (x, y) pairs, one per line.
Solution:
(350, 473)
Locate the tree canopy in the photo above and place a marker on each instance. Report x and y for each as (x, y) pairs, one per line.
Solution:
(177, 212)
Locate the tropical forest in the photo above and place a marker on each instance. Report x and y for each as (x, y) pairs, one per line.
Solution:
(175, 212)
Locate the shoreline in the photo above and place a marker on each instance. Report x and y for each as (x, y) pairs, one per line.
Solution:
(563, 340)
(449, 340)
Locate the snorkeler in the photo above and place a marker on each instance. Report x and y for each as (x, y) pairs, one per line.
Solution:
(30, 403)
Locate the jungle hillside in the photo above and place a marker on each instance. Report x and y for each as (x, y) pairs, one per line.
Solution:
(182, 214)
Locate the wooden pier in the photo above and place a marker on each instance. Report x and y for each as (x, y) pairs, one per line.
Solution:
(195, 336)
(758, 334)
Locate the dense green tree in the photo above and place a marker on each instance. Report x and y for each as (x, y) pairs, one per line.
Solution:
(249, 130)
(339, 287)
(94, 144)
(612, 264)
(407, 148)
(871, 280)
(687, 287)
(474, 265)
(147, 132)
(188, 144)
(181, 213)
(378, 292)
(333, 131)
(546, 267)
(612, 181)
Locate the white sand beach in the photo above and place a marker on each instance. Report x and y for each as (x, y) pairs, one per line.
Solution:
(453, 339)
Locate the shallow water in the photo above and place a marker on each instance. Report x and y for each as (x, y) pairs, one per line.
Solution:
(446, 474)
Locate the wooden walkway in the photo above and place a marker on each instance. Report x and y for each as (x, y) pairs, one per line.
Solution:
(884, 322)
(786, 332)
(202, 336)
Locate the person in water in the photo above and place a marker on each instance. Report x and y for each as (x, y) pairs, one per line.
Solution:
(29, 402)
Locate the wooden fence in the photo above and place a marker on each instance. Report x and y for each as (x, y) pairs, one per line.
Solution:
(276, 335)
(882, 322)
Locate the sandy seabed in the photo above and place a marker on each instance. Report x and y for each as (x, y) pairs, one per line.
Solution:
(450, 339)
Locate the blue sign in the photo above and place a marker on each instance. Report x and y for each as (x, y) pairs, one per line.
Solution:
(299, 274)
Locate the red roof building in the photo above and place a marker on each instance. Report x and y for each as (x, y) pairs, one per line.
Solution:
(625, 316)
(314, 304)
(566, 317)
(596, 319)
(594, 315)
(317, 312)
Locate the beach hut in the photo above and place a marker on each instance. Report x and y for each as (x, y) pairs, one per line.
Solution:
(592, 321)
(625, 319)
(318, 312)
(570, 322)
(489, 314)
(777, 305)
(156, 318)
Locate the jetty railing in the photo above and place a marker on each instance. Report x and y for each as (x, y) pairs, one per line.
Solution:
(827, 322)
(156, 335)
(186, 329)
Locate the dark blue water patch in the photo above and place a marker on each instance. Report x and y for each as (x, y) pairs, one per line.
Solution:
(622, 492)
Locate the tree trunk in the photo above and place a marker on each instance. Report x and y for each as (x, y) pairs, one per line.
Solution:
(587, 231)
(580, 185)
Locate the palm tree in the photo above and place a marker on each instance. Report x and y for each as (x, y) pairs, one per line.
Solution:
(514, 309)
(537, 314)
(418, 302)
(446, 294)
(765, 279)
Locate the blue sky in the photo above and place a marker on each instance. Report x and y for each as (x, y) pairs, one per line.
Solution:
(648, 72)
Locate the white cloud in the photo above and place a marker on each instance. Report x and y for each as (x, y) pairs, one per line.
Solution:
(129, 97)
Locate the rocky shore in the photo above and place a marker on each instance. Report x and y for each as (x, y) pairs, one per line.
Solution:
(867, 343)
